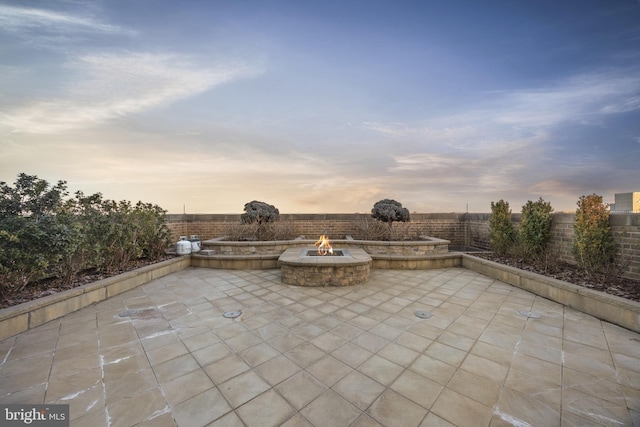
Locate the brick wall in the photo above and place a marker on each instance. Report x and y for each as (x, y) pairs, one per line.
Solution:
(468, 229)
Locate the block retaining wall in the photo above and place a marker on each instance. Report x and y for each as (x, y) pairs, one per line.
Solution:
(468, 230)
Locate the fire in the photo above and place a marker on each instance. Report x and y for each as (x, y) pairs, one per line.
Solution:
(323, 245)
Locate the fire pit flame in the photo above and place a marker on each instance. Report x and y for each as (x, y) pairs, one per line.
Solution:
(323, 245)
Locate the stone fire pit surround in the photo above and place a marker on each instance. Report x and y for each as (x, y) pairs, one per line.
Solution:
(301, 269)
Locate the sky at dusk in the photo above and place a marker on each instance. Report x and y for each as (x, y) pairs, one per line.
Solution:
(323, 106)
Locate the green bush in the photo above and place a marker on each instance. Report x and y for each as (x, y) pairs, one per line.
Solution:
(534, 233)
(593, 245)
(44, 235)
(502, 233)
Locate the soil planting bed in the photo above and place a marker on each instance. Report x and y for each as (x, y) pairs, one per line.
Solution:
(619, 286)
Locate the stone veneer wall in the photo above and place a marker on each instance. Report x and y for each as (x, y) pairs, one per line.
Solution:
(470, 229)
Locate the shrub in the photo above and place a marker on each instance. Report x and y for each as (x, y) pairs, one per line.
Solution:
(370, 229)
(593, 245)
(388, 211)
(259, 213)
(31, 238)
(535, 229)
(43, 235)
(502, 233)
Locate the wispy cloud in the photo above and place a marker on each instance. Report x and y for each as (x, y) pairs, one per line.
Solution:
(117, 84)
(19, 19)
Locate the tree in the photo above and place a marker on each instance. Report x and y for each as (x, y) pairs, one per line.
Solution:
(502, 233)
(593, 245)
(388, 211)
(535, 228)
(259, 213)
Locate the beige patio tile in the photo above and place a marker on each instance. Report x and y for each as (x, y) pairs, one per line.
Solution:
(484, 367)
(413, 341)
(305, 354)
(227, 368)
(174, 368)
(202, 409)
(432, 420)
(277, 369)
(258, 354)
(328, 341)
(212, 353)
(242, 342)
(347, 331)
(417, 388)
(359, 389)
(242, 388)
(186, 386)
(129, 384)
(481, 389)
(130, 411)
(266, 410)
(329, 370)
(196, 342)
(352, 354)
(167, 352)
(228, 420)
(393, 409)
(445, 353)
(286, 342)
(462, 410)
(297, 421)
(549, 392)
(381, 370)
(544, 370)
(523, 408)
(596, 409)
(398, 354)
(500, 355)
(300, 389)
(433, 369)
(330, 410)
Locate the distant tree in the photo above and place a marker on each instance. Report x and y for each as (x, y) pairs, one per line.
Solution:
(259, 213)
(388, 211)
(593, 245)
(502, 233)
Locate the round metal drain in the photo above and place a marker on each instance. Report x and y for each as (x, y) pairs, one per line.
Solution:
(530, 314)
(232, 314)
(422, 314)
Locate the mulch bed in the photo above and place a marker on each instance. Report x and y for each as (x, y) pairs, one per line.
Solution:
(619, 286)
(48, 287)
(610, 284)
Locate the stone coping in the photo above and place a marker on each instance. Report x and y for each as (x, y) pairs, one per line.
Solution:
(611, 308)
(30, 314)
(219, 241)
(298, 256)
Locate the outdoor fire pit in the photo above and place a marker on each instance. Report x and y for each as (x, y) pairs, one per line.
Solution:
(324, 266)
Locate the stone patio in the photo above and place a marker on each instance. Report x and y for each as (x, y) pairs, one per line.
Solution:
(163, 354)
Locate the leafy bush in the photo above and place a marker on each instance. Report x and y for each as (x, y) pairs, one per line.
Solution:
(593, 245)
(502, 233)
(388, 211)
(535, 229)
(43, 235)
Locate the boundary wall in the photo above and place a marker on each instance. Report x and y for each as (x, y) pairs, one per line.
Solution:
(461, 229)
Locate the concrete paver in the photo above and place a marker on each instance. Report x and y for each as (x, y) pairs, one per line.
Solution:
(163, 354)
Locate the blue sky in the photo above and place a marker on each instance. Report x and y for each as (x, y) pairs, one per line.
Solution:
(323, 106)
